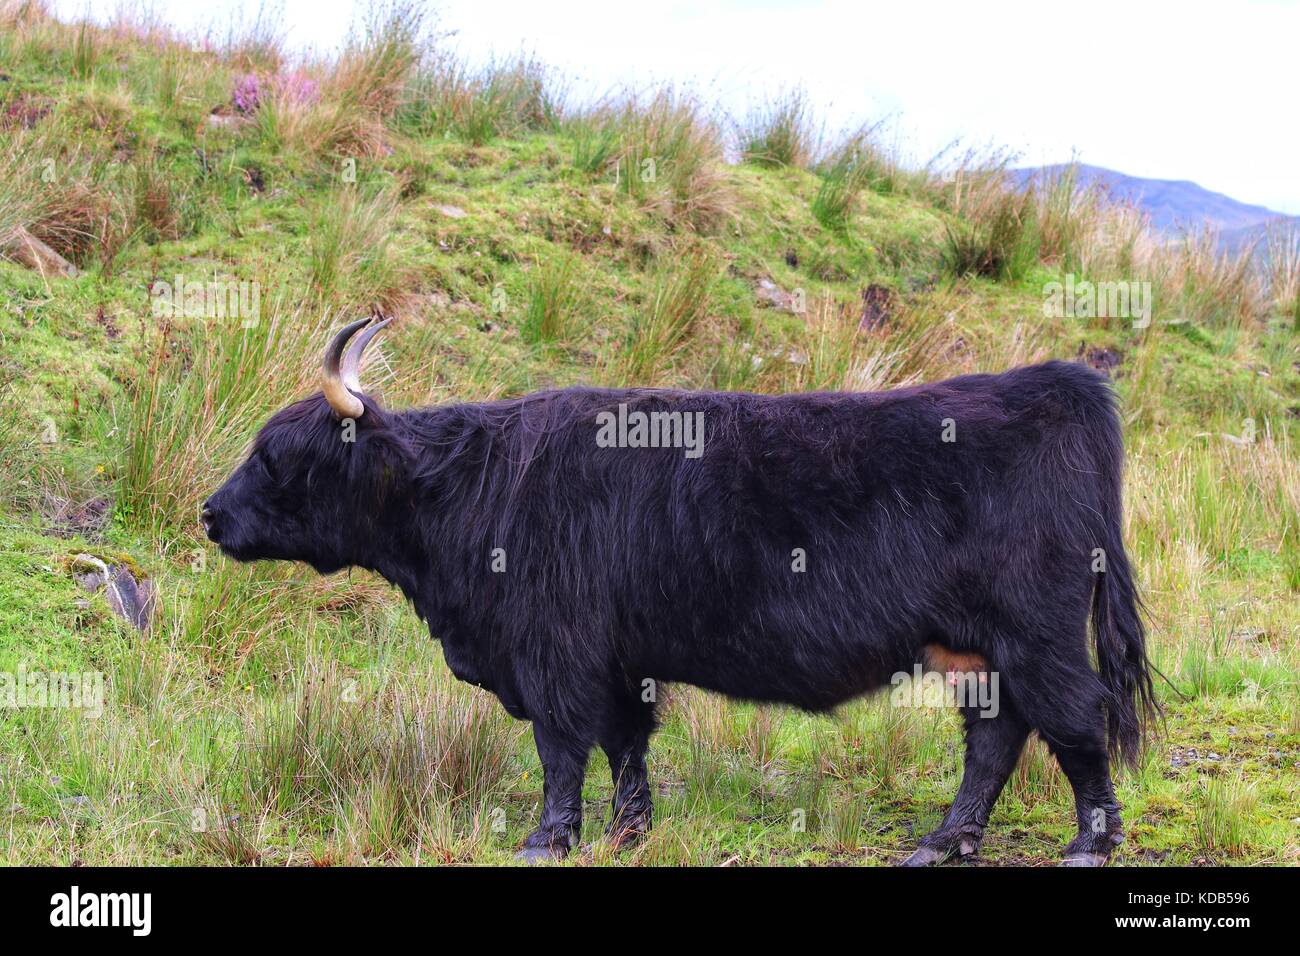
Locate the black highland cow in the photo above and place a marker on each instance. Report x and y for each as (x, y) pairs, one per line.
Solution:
(810, 548)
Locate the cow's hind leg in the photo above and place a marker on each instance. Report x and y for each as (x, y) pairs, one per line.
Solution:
(625, 745)
(564, 762)
(993, 746)
(1087, 766)
(1064, 704)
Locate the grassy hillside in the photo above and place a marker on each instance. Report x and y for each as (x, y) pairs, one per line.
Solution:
(521, 240)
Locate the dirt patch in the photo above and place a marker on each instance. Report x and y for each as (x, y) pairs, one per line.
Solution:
(1101, 358)
(877, 307)
(105, 321)
(255, 180)
(71, 519)
(24, 111)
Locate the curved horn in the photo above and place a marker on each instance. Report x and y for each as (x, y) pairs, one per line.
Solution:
(344, 403)
(351, 367)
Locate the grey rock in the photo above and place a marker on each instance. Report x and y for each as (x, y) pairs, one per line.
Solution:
(129, 597)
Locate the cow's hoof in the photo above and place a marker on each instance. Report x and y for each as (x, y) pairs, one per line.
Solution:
(1089, 849)
(943, 847)
(925, 856)
(539, 854)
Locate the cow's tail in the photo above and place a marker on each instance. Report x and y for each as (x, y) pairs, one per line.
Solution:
(1119, 637)
(1122, 662)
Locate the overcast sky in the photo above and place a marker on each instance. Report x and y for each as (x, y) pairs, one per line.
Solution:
(1199, 91)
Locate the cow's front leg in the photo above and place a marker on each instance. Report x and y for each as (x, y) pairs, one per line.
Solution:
(564, 761)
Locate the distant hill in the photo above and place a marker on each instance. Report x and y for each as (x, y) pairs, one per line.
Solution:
(1175, 205)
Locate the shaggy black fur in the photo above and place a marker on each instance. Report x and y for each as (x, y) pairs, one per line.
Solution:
(629, 566)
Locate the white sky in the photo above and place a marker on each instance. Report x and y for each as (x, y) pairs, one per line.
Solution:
(1191, 90)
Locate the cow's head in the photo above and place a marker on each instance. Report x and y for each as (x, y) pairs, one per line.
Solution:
(323, 475)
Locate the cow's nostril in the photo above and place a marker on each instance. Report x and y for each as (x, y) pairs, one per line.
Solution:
(207, 518)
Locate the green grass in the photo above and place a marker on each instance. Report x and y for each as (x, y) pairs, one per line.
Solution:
(779, 133)
(273, 716)
(678, 300)
(554, 295)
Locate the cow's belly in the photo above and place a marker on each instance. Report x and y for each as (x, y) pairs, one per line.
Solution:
(813, 675)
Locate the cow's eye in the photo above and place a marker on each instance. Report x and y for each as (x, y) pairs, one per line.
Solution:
(265, 462)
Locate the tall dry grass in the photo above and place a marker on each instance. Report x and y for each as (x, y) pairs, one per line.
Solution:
(1283, 264)
(446, 96)
(678, 301)
(350, 260)
(342, 107)
(664, 149)
(66, 192)
(23, 14)
(781, 132)
(856, 163)
(199, 401)
(1214, 500)
(336, 743)
(1002, 231)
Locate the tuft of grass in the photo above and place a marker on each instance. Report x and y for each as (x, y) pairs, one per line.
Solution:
(595, 143)
(444, 96)
(21, 204)
(68, 195)
(677, 303)
(348, 251)
(998, 239)
(844, 820)
(781, 132)
(193, 408)
(854, 165)
(163, 207)
(831, 352)
(1037, 777)
(382, 768)
(1067, 218)
(373, 69)
(669, 156)
(553, 297)
(291, 117)
(761, 737)
(343, 108)
(227, 836)
(709, 732)
(878, 742)
(253, 45)
(85, 51)
(1213, 286)
(1282, 257)
(1224, 813)
(840, 184)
